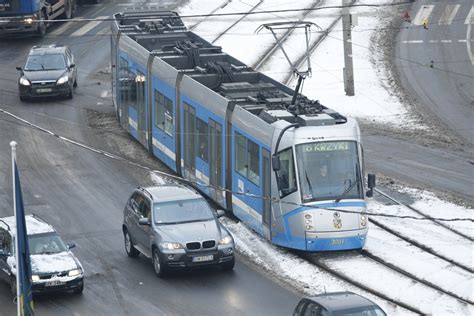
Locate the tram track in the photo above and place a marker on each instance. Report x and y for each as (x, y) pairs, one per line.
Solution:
(236, 22)
(437, 222)
(271, 50)
(319, 262)
(221, 6)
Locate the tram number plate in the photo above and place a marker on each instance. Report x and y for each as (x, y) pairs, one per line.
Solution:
(337, 242)
(44, 90)
(54, 283)
(203, 258)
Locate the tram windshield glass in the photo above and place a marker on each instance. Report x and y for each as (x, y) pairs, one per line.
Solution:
(329, 171)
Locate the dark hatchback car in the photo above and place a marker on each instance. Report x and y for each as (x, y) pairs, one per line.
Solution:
(49, 71)
(175, 227)
(337, 304)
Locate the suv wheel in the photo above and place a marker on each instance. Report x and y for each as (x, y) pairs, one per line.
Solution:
(131, 251)
(79, 289)
(158, 266)
(228, 265)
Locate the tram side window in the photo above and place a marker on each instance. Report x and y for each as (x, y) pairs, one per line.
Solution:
(164, 113)
(247, 161)
(124, 81)
(286, 174)
(202, 139)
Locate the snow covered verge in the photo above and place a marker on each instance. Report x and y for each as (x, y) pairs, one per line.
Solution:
(374, 100)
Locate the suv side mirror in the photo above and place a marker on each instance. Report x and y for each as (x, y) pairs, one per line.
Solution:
(19, 68)
(72, 65)
(220, 213)
(71, 245)
(144, 221)
(370, 184)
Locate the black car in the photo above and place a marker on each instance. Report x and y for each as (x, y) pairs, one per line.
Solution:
(337, 304)
(48, 71)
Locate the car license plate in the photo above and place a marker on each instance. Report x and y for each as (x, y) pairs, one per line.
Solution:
(44, 90)
(54, 283)
(203, 258)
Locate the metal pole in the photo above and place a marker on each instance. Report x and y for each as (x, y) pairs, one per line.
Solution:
(13, 146)
(347, 39)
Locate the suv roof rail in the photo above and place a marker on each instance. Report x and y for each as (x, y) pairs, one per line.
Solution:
(8, 226)
(40, 218)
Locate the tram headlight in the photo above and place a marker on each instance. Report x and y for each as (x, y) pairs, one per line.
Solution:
(309, 227)
(363, 220)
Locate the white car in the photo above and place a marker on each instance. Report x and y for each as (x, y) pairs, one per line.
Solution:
(54, 267)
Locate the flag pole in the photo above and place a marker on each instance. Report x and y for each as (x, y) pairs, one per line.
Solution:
(13, 146)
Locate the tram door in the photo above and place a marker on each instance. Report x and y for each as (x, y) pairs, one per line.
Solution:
(142, 130)
(215, 161)
(266, 203)
(189, 142)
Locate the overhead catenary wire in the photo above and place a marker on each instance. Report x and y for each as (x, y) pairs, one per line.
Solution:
(198, 184)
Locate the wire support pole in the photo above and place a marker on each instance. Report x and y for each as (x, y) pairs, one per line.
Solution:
(347, 40)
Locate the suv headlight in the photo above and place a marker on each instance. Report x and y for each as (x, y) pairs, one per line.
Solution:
(74, 272)
(226, 240)
(35, 278)
(63, 79)
(170, 245)
(24, 81)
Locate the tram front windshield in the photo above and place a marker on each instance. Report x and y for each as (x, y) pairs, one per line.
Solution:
(329, 171)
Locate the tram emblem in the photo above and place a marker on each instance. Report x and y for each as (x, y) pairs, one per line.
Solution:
(337, 220)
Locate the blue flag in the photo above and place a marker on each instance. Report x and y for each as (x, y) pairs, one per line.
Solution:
(24, 267)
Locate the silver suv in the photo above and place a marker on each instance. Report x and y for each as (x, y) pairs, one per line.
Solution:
(175, 226)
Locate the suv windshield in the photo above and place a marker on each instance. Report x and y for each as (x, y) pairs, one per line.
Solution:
(182, 211)
(45, 62)
(328, 170)
(45, 244)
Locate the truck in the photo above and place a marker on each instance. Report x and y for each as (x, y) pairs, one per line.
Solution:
(32, 16)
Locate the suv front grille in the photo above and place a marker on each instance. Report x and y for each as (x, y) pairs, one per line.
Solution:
(208, 244)
(197, 245)
(49, 276)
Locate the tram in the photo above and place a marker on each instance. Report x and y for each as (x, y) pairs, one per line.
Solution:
(288, 167)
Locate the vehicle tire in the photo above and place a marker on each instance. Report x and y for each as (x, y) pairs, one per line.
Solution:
(23, 98)
(78, 290)
(158, 266)
(42, 25)
(70, 95)
(131, 251)
(228, 265)
(75, 83)
(67, 10)
(13, 286)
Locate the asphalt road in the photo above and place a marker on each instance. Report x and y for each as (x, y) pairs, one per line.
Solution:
(82, 195)
(436, 64)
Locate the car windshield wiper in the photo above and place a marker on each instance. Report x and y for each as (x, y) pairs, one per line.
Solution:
(346, 191)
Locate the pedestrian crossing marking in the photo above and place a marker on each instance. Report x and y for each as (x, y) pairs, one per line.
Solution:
(423, 14)
(61, 29)
(89, 26)
(470, 17)
(448, 14)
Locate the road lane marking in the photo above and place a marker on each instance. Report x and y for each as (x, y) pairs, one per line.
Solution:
(445, 41)
(433, 41)
(423, 14)
(468, 42)
(448, 14)
(89, 26)
(470, 16)
(413, 42)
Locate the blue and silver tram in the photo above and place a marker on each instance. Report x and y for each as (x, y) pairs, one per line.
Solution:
(287, 169)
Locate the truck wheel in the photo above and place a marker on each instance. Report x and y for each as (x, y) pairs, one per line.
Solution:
(67, 10)
(42, 25)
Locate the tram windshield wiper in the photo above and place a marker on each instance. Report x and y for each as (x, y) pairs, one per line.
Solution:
(346, 191)
(309, 183)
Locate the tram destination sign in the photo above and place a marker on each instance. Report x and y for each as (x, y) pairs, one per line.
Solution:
(326, 146)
